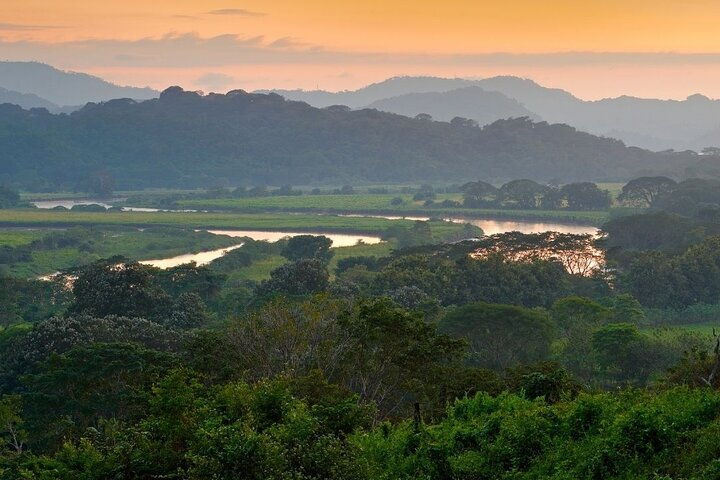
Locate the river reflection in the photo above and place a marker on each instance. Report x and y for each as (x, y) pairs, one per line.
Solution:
(338, 239)
(202, 258)
(491, 227)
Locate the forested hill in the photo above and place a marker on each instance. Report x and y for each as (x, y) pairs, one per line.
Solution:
(185, 139)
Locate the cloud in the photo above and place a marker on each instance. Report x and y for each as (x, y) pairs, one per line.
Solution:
(183, 50)
(17, 27)
(287, 42)
(236, 11)
(215, 81)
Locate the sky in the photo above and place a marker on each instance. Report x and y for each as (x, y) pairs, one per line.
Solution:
(594, 49)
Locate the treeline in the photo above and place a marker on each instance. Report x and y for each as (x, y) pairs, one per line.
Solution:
(187, 140)
(668, 256)
(527, 195)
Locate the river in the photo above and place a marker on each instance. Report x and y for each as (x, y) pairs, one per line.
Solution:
(203, 258)
(489, 227)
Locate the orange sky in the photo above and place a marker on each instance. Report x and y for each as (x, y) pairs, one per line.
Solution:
(646, 48)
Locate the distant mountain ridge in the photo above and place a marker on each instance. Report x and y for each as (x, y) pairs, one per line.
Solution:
(184, 139)
(467, 102)
(64, 88)
(362, 97)
(25, 100)
(648, 123)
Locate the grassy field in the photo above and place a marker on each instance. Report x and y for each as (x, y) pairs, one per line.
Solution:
(132, 244)
(319, 202)
(17, 237)
(115, 233)
(236, 221)
(380, 205)
(258, 270)
(215, 220)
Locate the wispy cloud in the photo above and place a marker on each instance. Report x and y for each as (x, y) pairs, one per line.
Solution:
(288, 42)
(236, 11)
(18, 27)
(182, 50)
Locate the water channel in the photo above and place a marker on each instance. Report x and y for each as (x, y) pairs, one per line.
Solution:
(489, 227)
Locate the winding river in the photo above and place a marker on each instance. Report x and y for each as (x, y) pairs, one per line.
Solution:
(489, 226)
(203, 258)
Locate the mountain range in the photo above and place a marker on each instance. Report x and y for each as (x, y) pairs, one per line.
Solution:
(53, 88)
(654, 124)
(693, 123)
(185, 139)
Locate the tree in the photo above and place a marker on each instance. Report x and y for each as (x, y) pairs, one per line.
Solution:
(461, 122)
(620, 350)
(8, 197)
(424, 193)
(114, 287)
(479, 194)
(61, 334)
(644, 191)
(303, 277)
(577, 253)
(200, 280)
(554, 199)
(12, 431)
(75, 390)
(624, 237)
(308, 247)
(288, 338)
(500, 336)
(393, 354)
(690, 197)
(522, 194)
(585, 196)
(577, 318)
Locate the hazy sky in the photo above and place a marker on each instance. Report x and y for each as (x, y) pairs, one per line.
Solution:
(595, 49)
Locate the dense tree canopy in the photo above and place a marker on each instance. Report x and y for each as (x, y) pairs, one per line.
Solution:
(184, 139)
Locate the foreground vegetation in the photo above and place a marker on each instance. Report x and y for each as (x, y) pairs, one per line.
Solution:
(514, 356)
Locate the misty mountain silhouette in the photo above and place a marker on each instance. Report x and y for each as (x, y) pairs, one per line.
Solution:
(468, 102)
(64, 88)
(648, 123)
(25, 100)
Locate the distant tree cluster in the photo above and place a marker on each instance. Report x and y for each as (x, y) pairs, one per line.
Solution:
(529, 195)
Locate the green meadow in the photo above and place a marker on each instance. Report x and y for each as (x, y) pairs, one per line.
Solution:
(380, 204)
